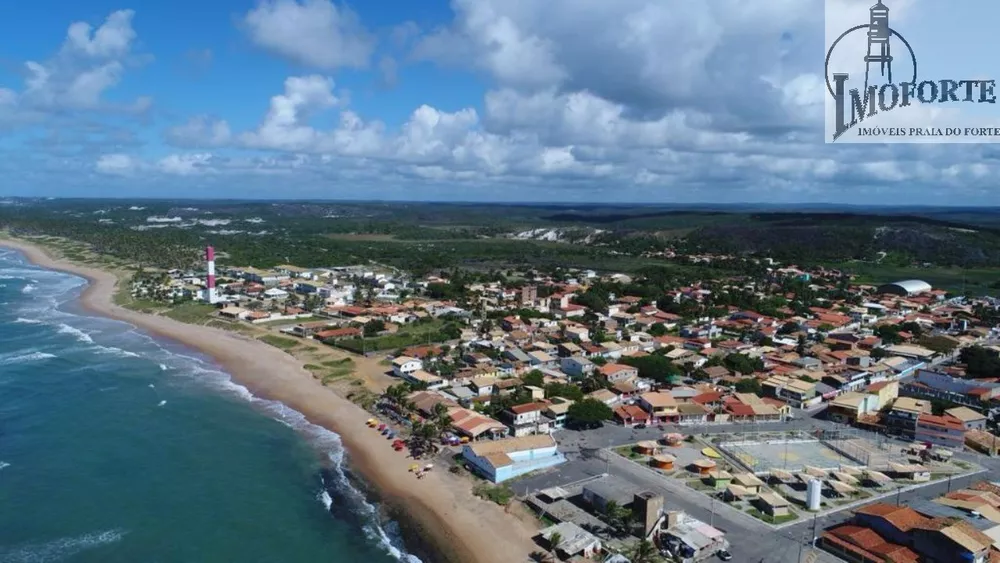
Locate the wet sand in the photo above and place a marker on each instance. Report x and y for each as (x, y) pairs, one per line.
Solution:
(459, 527)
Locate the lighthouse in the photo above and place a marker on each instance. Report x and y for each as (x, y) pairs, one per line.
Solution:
(879, 34)
(210, 295)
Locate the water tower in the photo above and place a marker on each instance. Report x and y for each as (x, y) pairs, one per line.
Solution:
(814, 494)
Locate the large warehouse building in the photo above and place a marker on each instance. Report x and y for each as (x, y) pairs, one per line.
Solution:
(905, 288)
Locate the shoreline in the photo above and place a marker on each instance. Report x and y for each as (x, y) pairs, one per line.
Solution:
(459, 527)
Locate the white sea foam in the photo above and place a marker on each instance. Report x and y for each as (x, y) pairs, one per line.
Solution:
(3, 465)
(21, 320)
(117, 352)
(28, 288)
(15, 358)
(59, 549)
(54, 288)
(79, 334)
(161, 403)
(325, 498)
(323, 440)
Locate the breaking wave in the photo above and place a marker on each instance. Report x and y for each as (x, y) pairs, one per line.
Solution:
(60, 549)
(16, 358)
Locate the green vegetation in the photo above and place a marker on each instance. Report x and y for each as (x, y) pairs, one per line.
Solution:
(588, 413)
(500, 494)
(748, 385)
(191, 312)
(981, 362)
(953, 249)
(771, 519)
(699, 485)
(279, 341)
(430, 331)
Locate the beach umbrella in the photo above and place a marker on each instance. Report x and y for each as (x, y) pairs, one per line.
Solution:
(428, 467)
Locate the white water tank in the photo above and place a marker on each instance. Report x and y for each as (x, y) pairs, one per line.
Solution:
(813, 494)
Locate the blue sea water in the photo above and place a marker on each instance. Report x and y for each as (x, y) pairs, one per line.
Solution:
(118, 447)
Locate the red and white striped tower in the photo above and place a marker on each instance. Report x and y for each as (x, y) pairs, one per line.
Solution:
(210, 295)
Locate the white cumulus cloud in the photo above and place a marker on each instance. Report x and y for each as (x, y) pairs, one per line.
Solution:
(315, 33)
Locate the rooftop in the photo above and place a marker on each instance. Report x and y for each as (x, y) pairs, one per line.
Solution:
(965, 414)
(510, 445)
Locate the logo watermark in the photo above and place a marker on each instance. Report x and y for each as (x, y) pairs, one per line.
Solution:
(884, 81)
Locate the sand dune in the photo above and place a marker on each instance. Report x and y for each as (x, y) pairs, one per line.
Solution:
(460, 527)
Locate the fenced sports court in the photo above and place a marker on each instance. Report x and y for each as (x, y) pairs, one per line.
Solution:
(791, 451)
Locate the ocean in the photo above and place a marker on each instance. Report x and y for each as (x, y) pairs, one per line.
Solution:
(119, 447)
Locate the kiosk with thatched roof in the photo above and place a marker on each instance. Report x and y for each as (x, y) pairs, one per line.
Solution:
(646, 447)
(877, 477)
(842, 489)
(781, 476)
(703, 466)
(663, 461)
(673, 439)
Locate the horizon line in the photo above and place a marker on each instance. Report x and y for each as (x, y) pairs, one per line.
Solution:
(503, 203)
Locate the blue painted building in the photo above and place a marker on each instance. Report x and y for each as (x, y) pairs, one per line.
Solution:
(501, 460)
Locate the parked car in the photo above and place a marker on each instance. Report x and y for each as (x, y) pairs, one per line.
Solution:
(640, 426)
(724, 555)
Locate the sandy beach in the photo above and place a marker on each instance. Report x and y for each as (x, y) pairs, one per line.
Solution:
(458, 526)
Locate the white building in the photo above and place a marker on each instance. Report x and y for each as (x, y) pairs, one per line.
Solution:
(405, 365)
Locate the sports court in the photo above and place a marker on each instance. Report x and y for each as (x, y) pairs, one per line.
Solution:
(788, 455)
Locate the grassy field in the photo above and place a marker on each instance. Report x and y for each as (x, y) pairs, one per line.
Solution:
(332, 370)
(410, 335)
(279, 341)
(369, 238)
(191, 312)
(971, 281)
(288, 322)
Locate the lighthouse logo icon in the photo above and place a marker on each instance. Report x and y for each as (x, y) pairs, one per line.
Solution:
(880, 37)
(878, 61)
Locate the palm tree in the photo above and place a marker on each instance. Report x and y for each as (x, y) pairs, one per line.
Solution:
(643, 552)
(617, 517)
(397, 394)
(422, 439)
(441, 417)
(554, 540)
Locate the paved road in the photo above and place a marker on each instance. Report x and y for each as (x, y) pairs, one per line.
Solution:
(752, 541)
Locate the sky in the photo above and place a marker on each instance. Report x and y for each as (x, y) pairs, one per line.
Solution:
(470, 100)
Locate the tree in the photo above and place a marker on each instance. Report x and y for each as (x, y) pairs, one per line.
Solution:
(940, 344)
(643, 552)
(748, 385)
(658, 329)
(564, 390)
(743, 364)
(423, 439)
(441, 417)
(980, 362)
(800, 349)
(373, 327)
(655, 367)
(554, 540)
(588, 413)
(397, 395)
(618, 517)
(534, 378)
(878, 353)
